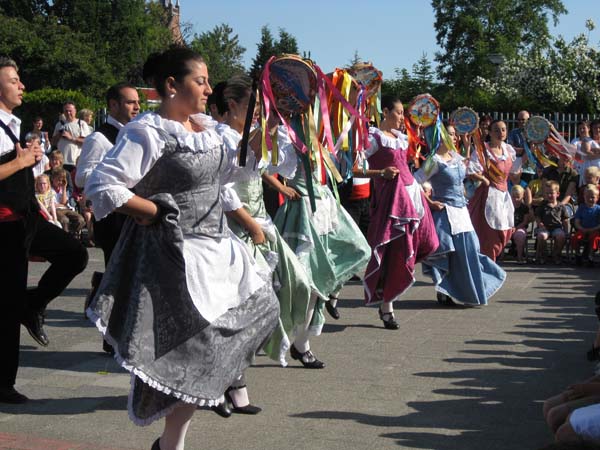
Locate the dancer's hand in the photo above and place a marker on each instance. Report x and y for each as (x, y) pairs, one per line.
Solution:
(437, 206)
(290, 193)
(149, 219)
(258, 237)
(389, 173)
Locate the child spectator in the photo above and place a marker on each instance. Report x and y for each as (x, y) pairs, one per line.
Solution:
(591, 175)
(56, 162)
(552, 221)
(523, 218)
(70, 221)
(45, 198)
(534, 194)
(587, 223)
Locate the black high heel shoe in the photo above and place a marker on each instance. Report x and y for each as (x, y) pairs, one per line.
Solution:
(248, 409)
(332, 310)
(389, 322)
(222, 409)
(156, 445)
(444, 299)
(307, 358)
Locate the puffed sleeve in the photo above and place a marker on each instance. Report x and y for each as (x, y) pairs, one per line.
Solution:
(474, 166)
(137, 150)
(287, 161)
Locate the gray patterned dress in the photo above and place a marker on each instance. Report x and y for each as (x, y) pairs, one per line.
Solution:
(145, 306)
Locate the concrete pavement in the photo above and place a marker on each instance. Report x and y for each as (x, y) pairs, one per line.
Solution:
(450, 378)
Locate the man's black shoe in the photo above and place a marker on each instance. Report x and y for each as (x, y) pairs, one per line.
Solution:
(10, 395)
(34, 322)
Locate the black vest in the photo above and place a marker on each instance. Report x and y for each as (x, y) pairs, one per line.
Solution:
(18, 190)
(109, 131)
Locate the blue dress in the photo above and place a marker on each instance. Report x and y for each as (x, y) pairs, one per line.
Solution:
(457, 267)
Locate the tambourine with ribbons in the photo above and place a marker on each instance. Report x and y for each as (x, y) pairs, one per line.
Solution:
(464, 120)
(547, 142)
(422, 112)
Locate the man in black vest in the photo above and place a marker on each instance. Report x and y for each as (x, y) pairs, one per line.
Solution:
(24, 232)
(123, 104)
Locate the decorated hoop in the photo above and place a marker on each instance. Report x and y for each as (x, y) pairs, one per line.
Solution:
(294, 84)
(537, 129)
(423, 110)
(464, 120)
(367, 75)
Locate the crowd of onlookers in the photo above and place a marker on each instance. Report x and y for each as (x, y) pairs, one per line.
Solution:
(61, 201)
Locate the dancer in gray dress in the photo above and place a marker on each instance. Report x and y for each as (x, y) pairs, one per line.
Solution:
(181, 301)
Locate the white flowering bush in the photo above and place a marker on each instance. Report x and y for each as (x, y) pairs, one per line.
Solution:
(565, 77)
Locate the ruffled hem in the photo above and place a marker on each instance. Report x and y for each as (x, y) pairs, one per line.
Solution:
(147, 379)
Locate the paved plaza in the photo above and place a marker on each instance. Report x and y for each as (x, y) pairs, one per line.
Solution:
(450, 378)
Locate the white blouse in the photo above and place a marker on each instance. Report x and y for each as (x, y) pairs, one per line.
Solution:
(220, 273)
(400, 142)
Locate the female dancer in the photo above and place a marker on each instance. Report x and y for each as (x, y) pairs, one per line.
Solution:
(401, 232)
(248, 219)
(181, 301)
(459, 271)
(328, 243)
(491, 208)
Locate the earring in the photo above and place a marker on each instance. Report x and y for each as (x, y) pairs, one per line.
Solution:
(172, 96)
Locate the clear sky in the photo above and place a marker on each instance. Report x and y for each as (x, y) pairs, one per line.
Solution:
(391, 34)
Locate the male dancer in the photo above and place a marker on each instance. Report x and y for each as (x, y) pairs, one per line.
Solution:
(24, 232)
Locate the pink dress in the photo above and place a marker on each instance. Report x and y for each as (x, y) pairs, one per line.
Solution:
(491, 208)
(401, 232)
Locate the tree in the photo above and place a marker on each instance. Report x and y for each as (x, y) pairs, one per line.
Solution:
(469, 31)
(84, 45)
(423, 75)
(286, 44)
(356, 59)
(268, 46)
(222, 52)
(565, 78)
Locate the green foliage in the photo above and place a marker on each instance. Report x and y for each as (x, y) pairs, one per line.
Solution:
(222, 52)
(269, 46)
(469, 31)
(81, 44)
(48, 103)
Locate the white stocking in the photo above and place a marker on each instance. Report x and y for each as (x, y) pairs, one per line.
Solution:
(301, 342)
(176, 425)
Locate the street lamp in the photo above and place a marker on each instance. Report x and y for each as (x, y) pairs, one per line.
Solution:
(497, 59)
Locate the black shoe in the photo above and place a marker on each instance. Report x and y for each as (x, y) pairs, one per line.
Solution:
(444, 299)
(108, 348)
(34, 322)
(332, 310)
(593, 354)
(156, 445)
(307, 359)
(10, 395)
(389, 322)
(248, 409)
(222, 409)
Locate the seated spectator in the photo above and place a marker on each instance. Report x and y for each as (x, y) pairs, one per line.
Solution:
(523, 218)
(56, 159)
(45, 198)
(552, 220)
(587, 223)
(567, 179)
(70, 221)
(534, 193)
(84, 206)
(591, 175)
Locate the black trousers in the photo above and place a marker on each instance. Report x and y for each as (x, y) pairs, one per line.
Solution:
(360, 211)
(107, 232)
(67, 258)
